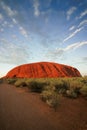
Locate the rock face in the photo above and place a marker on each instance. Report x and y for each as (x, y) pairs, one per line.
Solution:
(43, 70)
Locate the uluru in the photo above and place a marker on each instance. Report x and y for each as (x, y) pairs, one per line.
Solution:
(43, 70)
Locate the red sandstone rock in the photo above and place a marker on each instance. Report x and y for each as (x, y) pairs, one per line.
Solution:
(43, 70)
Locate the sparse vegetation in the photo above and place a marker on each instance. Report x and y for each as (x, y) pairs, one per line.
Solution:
(61, 86)
(51, 98)
(71, 93)
(36, 86)
(12, 80)
(52, 88)
(20, 83)
(83, 90)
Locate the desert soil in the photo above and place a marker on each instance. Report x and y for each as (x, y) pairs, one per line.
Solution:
(23, 110)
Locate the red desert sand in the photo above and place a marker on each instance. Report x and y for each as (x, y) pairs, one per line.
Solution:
(23, 110)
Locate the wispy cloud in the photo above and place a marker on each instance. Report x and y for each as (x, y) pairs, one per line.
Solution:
(14, 21)
(82, 14)
(75, 45)
(8, 10)
(71, 28)
(61, 51)
(5, 23)
(82, 23)
(11, 53)
(36, 5)
(23, 32)
(73, 34)
(70, 12)
(56, 53)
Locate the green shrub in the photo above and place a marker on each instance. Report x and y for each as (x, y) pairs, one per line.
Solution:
(46, 95)
(20, 83)
(51, 98)
(49, 87)
(70, 87)
(75, 84)
(71, 93)
(74, 87)
(36, 86)
(11, 81)
(61, 86)
(84, 80)
(83, 90)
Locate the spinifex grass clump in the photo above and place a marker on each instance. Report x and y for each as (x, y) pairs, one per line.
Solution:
(61, 86)
(74, 88)
(51, 97)
(11, 80)
(37, 86)
(20, 83)
(83, 90)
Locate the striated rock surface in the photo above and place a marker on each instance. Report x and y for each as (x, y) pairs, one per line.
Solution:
(43, 70)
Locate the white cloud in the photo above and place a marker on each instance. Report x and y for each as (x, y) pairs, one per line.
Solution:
(1, 17)
(8, 10)
(70, 12)
(71, 28)
(61, 51)
(82, 23)
(11, 53)
(5, 23)
(83, 14)
(14, 20)
(73, 34)
(36, 8)
(23, 32)
(75, 45)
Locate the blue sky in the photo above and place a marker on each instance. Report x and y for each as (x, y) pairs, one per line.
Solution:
(43, 30)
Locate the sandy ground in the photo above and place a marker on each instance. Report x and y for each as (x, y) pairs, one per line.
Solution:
(23, 110)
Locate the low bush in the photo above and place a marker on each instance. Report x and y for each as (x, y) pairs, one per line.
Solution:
(11, 81)
(84, 80)
(75, 84)
(20, 83)
(61, 86)
(70, 87)
(83, 90)
(71, 93)
(51, 98)
(36, 86)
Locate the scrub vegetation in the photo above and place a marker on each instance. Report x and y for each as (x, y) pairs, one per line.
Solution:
(51, 89)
